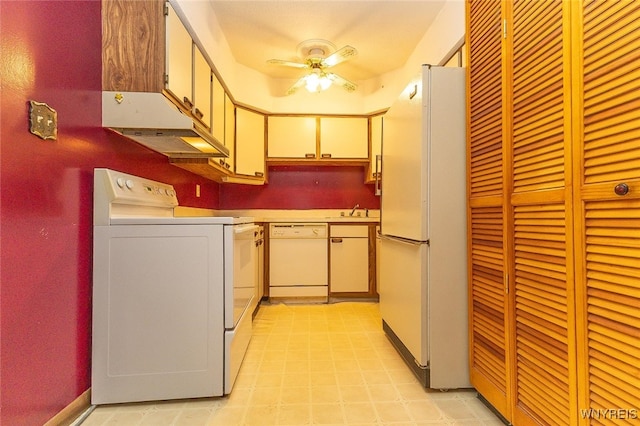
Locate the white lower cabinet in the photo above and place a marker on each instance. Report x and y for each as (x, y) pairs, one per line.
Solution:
(349, 259)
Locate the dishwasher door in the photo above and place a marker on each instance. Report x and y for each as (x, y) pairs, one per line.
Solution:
(298, 260)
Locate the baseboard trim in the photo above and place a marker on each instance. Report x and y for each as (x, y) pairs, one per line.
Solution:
(71, 411)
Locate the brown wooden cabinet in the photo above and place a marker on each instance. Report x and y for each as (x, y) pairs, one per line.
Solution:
(147, 48)
(554, 209)
(133, 45)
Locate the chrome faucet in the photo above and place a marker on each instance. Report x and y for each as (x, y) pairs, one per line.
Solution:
(354, 209)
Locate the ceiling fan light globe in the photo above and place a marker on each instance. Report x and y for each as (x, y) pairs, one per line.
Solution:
(312, 82)
(325, 82)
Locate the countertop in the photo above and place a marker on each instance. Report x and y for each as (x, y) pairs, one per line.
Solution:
(281, 216)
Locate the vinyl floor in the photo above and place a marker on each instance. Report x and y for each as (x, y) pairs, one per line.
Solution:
(328, 364)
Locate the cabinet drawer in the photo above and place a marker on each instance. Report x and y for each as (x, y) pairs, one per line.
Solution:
(349, 231)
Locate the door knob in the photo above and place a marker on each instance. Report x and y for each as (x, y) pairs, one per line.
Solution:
(621, 189)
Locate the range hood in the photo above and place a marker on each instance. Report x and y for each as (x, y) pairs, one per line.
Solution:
(153, 121)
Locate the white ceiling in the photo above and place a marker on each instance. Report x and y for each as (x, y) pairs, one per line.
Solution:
(385, 33)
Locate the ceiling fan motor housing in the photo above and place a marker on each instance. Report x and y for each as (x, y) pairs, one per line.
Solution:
(315, 49)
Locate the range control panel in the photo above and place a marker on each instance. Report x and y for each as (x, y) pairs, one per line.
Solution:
(128, 189)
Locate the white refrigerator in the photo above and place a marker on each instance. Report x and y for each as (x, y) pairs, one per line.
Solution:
(423, 278)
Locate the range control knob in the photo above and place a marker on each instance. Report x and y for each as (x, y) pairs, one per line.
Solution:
(621, 189)
(129, 183)
(120, 182)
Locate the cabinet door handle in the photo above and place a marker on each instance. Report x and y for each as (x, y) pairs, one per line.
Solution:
(199, 114)
(336, 240)
(259, 174)
(188, 102)
(325, 155)
(621, 189)
(309, 156)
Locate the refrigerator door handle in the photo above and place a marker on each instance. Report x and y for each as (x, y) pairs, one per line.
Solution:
(403, 240)
(378, 190)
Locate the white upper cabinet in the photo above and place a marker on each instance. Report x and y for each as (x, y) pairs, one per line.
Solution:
(218, 129)
(229, 131)
(344, 137)
(292, 137)
(179, 67)
(201, 87)
(249, 143)
(376, 147)
(318, 138)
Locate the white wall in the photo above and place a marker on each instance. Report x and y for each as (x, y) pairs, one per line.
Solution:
(259, 91)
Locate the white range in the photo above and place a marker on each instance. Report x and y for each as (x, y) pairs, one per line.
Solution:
(170, 294)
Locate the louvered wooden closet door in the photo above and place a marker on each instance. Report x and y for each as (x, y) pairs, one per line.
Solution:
(608, 246)
(542, 277)
(487, 308)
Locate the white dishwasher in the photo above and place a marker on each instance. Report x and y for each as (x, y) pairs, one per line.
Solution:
(298, 261)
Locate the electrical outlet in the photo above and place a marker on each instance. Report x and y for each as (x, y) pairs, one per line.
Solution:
(197, 190)
(43, 120)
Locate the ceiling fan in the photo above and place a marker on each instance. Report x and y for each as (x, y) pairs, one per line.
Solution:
(319, 55)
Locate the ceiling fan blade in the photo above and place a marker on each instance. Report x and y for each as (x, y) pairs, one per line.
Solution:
(340, 55)
(287, 63)
(346, 84)
(298, 84)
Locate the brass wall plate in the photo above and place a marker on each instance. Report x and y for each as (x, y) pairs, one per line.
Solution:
(43, 120)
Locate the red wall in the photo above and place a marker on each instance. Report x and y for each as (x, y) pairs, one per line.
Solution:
(303, 187)
(51, 53)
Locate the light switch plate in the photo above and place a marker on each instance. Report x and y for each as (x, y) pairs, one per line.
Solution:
(43, 120)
